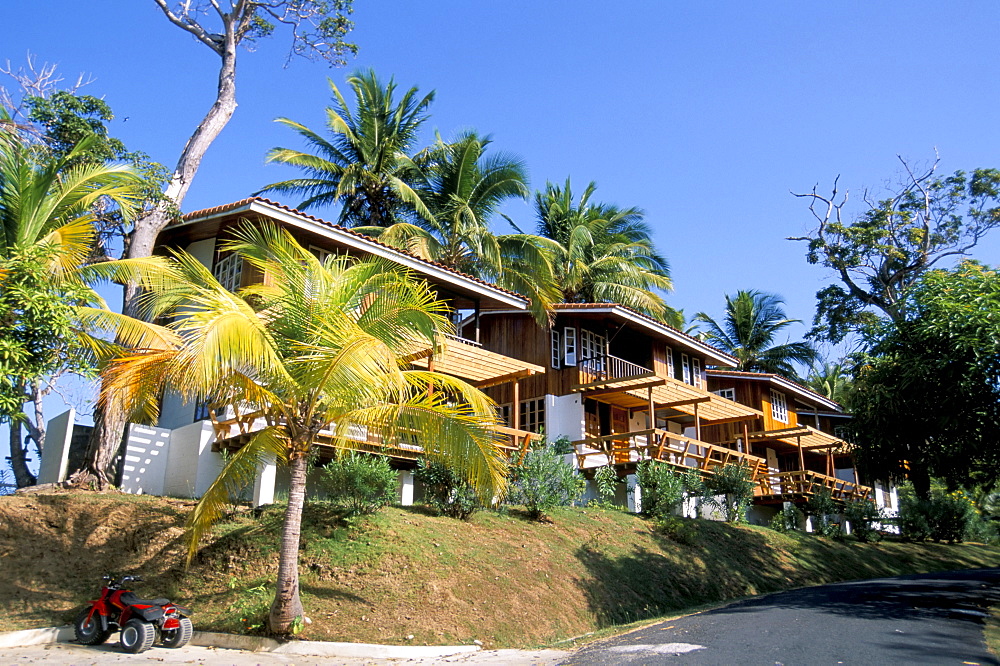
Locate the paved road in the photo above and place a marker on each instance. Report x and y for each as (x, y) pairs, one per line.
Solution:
(927, 619)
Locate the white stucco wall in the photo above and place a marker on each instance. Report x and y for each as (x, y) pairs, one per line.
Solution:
(191, 465)
(147, 452)
(55, 455)
(564, 417)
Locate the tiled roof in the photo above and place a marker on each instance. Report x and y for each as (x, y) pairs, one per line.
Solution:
(769, 376)
(224, 208)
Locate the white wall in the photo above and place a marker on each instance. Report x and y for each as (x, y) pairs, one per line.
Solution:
(191, 465)
(564, 417)
(146, 460)
(55, 455)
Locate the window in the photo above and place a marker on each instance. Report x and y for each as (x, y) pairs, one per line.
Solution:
(569, 340)
(727, 393)
(201, 410)
(533, 415)
(556, 350)
(505, 414)
(670, 363)
(320, 253)
(779, 408)
(696, 371)
(228, 271)
(593, 347)
(686, 368)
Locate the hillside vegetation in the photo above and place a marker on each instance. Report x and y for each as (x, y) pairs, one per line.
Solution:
(500, 579)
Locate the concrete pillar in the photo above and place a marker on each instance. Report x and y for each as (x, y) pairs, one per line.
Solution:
(634, 491)
(263, 485)
(406, 487)
(55, 455)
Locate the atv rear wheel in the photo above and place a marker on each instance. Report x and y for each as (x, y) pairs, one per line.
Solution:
(88, 628)
(175, 638)
(137, 636)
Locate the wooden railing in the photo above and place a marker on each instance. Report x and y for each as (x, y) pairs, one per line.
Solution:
(669, 447)
(407, 445)
(607, 368)
(808, 483)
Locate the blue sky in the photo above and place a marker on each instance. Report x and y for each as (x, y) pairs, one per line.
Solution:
(705, 115)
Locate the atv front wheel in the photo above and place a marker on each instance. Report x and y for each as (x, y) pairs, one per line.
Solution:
(88, 628)
(137, 636)
(175, 638)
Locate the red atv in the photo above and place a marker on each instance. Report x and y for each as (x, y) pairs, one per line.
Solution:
(141, 621)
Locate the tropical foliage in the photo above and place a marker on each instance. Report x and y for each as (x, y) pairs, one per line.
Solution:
(832, 380)
(748, 330)
(318, 348)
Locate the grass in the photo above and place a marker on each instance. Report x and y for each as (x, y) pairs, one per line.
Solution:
(500, 579)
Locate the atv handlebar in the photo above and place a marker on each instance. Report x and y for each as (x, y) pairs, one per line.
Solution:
(121, 580)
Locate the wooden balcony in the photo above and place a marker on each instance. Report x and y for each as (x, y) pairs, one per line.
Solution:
(799, 486)
(655, 444)
(232, 433)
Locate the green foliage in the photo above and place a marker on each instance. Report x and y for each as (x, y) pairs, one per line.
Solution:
(606, 479)
(544, 481)
(361, 482)
(863, 517)
(880, 255)
(824, 511)
(788, 519)
(664, 487)
(250, 609)
(448, 493)
(562, 445)
(730, 489)
(832, 380)
(945, 516)
(927, 394)
(680, 530)
(748, 330)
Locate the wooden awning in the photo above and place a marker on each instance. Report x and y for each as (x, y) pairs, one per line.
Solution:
(806, 437)
(469, 361)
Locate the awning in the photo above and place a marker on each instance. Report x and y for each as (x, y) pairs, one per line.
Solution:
(469, 361)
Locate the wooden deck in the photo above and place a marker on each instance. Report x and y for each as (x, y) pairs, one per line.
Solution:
(800, 486)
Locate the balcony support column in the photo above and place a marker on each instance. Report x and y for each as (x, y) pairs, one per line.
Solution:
(515, 409)
(697, 423)
(477, 310)
(802, 459)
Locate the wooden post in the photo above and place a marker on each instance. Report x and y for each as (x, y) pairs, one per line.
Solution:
(652, 409)
(477, 320)
(829, 462)
(802, 463)
(697, 423)
(746, 438)
(515, 410)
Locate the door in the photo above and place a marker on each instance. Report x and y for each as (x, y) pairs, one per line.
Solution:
(619, 424)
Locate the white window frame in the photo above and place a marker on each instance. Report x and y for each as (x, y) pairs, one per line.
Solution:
(727, 393)
(696, 371)
(320, 253)
(556, 350)
(779, 406)
(228, 271)
(593, 347)
(532, 413)
(569, 346)
(670, 363)
(685, 368)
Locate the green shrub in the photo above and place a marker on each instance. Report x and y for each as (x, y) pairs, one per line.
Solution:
(822, 508)
(606, 479)
(562, 445)
(863, 516)
(680, 530)
(448, 493)
(946, 516)
(543, 481)
(664, 487)
(362, 482)
(730, 489)
(788, 519)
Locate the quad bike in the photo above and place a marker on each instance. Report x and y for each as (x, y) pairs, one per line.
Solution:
(141, 621)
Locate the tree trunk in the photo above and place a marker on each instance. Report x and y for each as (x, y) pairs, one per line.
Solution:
(921, 480)
(109, 429)
(287, 605)
(36, 430)
(18, 461)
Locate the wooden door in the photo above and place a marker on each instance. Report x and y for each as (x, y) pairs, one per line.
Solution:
(619, 424)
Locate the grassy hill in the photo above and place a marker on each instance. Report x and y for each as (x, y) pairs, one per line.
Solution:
(500, 579)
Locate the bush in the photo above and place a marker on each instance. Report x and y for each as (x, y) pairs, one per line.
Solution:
(822, 508)
(730, 489)
(787, 520)
(664, 487)
(448, 493)
(679, 530)
(946, 516)
(543, 481)
(363, 483)
(863, 516)
(606, 479)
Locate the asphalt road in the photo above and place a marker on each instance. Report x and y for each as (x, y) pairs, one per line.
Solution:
(926, 619)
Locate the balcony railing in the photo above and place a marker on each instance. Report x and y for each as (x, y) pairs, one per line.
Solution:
(608, 368)
(514, 443)
(787, 485)
(655, 444)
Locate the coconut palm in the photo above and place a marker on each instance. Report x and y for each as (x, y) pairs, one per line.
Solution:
(463, 188)
(318, 347)
(748, 330)
(830, 379)
(603, 253)
(364, 164)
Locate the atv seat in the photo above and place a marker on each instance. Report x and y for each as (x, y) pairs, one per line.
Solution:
(132, 600)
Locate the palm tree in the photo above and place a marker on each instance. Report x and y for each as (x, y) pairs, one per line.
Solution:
(603, 253)
(463, 188)
(752, 321)
(318, 347)
(364, 164)
(50, 310)
(832, 380)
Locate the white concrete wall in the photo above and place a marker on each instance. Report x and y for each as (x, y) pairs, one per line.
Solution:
(203, 251)
(192, 466)
(564, 417)
(146, 460)
(55, 455)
